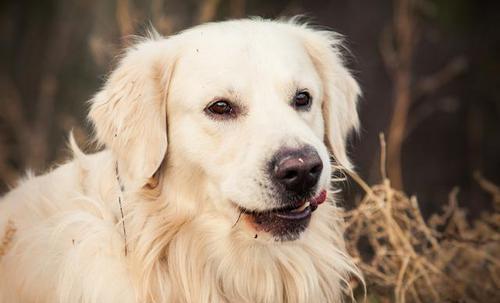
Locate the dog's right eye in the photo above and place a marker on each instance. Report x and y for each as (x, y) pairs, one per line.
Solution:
(220, 109)
(302, 100)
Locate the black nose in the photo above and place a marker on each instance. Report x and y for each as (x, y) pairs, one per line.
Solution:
(297, 170)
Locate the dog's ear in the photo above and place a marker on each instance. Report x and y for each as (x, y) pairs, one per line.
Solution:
(129, 113)
(340, 90)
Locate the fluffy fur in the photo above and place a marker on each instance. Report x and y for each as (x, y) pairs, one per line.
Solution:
(178, 176)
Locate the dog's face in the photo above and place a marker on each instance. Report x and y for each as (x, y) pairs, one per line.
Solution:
(253, 109)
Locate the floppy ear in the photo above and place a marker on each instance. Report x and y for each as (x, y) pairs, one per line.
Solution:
(129, 113)
(340, 90)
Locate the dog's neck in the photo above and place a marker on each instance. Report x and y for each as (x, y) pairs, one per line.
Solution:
(187, 253)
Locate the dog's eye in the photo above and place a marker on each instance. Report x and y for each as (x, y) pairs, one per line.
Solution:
(302, 100)
(220, 108)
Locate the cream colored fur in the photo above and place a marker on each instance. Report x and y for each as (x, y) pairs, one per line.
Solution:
(182, 175)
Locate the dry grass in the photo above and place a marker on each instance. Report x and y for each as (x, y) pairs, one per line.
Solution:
(446, 259)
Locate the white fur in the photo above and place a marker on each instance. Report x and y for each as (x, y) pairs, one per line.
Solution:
(184, 241)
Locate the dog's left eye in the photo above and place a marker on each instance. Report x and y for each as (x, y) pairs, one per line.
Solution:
(220, 109)
(302, 100)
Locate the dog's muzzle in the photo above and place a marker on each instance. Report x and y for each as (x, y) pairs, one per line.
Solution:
(294, 174)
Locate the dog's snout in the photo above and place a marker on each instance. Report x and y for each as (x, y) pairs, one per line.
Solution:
(298, 170)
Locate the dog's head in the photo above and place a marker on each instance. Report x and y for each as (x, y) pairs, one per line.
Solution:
(253, 108)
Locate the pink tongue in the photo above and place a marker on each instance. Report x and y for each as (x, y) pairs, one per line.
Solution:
(319, 199)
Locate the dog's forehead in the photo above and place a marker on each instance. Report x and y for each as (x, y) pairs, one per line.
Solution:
(242, 55)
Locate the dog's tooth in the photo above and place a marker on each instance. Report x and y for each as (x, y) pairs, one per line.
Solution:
(301, 208)
(304, 206)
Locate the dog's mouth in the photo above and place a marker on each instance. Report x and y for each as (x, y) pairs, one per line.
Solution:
(285, 223)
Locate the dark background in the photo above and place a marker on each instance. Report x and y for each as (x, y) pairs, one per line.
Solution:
(55, 54)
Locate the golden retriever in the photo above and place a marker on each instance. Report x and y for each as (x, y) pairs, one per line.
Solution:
(211, 184)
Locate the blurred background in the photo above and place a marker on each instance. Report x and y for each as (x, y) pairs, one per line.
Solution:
(429, 71)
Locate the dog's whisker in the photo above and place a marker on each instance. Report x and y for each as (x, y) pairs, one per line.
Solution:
(238, 220)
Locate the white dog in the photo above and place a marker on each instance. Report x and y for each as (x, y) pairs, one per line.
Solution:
(211, 184)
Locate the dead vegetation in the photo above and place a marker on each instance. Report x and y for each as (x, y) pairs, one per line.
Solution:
(406, 259)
